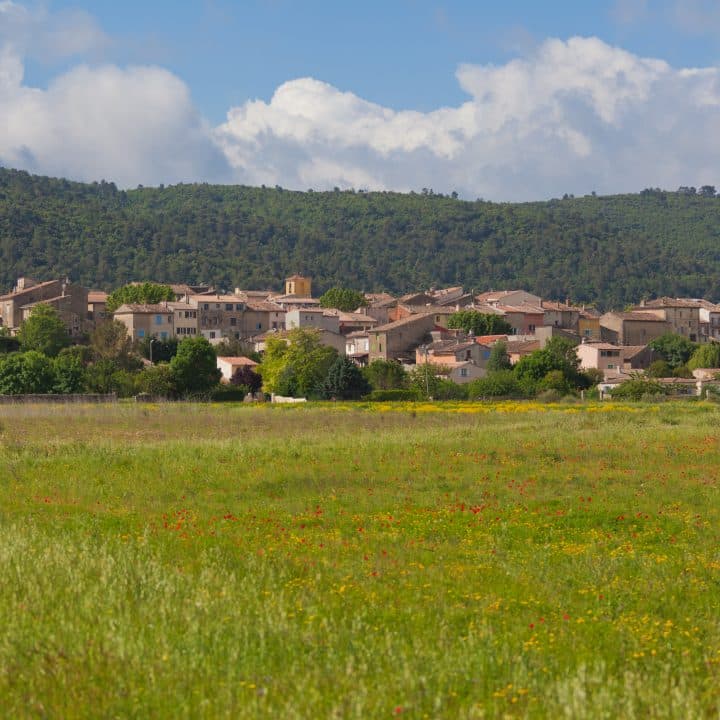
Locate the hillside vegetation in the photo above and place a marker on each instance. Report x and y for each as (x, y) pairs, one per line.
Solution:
(611, 250)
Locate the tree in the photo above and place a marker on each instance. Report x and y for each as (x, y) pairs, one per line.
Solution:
(43, 331)
(194, 367)
(69, 373)
(344, 381)
(659, 369)
(234, 347)
(479, 323)
(501, 383)
(110, 341)
(675, 349)
(707, 191)
(499, 358)
(705, 356)
(159, 349)
(343, 299)
(558, 354)
(26, 373)
(385, 375)
(156, 380)
(246, 376)
(296, 365)
(637, 388)
(145, 293)
(424, 378)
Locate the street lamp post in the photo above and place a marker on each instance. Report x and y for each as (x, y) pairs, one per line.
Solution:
(152, 340)
(427, 379)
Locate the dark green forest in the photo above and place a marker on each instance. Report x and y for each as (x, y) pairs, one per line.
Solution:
(609, 250)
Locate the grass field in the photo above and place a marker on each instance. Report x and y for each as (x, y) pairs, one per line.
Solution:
(427, 561)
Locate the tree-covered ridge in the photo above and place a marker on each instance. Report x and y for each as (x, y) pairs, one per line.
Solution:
(611, 250)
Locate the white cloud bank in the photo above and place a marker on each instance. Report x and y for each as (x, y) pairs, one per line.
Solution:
(574, 116)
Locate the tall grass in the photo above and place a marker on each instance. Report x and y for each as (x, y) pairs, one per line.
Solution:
(347, 561)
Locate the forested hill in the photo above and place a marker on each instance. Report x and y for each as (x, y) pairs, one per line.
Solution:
(611, 250)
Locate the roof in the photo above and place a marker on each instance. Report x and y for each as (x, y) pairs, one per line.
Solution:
(297, 277)
(205, 298)
(378, 297)
(599, 345)
(670, 303)
(264, 306)
(523, 347)
(357, 334)
(45, 301)
(295, 299)
(409, 320)
(450, 346)
(413, 295)
(632, 350)
(526, 308)
(497, 295)
(97, 296)
(559, 306)
(238, 360)
(18, 293)
(429, 309)
(637, 316)
(143, 309)
(489, 339)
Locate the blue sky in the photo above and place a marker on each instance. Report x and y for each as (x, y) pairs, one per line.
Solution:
(398, 53)
(510, 100)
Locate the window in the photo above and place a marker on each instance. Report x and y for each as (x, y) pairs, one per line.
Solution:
(233, 321)
(463, 372)
(217, 306)
(206, 306)
(158, 319)
(239, 306)
(258, 326)
(531, 328)
(229, 306)
(141, 333)
(212, 334)
(163, 335)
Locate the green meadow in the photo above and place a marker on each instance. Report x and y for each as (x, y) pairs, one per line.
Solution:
(360, 561)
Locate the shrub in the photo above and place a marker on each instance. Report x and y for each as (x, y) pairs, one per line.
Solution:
(497, 384)
(229, 393)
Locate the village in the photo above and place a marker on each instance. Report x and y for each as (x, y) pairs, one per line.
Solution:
(412, 329)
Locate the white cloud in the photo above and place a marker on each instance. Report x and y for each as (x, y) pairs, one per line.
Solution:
(574, 116)
(134, 125)
(47, 35)
(571, 116)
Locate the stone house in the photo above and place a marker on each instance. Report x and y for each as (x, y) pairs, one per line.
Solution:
(508, 297)
(312, 317)
(632, 328)
(146, 320)
(398, 339)
(681, 314)
(70, 300)
(228, 366)
(600, 355)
